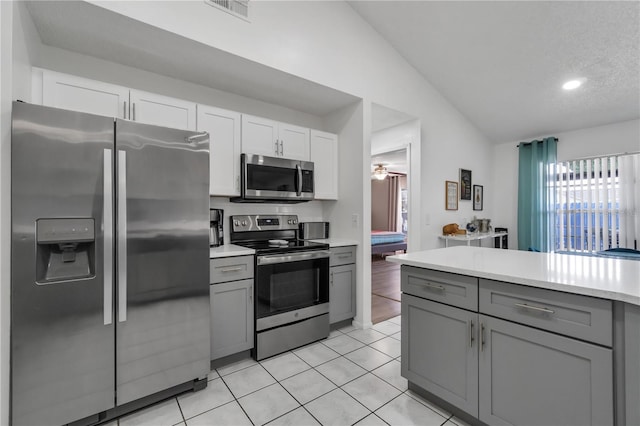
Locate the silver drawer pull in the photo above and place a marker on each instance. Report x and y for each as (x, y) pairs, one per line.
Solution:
(237, 268)
(344, 256)
(535, 308)
(434, 287)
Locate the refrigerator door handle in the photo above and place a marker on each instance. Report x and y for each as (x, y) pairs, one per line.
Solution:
(122, 236)
(107, 226)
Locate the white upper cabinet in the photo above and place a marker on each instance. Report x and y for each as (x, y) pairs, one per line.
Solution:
(84, 95)
(294, 142)
(260, 136)
(151, 108)
(271, 138)
(324, 154)
(95, 97)
(224, 149)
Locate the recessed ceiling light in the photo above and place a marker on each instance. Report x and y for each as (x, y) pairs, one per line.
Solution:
(572, 84)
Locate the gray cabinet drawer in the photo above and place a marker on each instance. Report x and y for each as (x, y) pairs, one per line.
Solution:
(225, 269)
(573, 315)
(443, 287)
(342, 256)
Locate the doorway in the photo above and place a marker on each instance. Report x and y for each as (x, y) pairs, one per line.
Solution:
(389, 229)
(394, 136)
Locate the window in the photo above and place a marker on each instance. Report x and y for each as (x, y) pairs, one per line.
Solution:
(597, 203)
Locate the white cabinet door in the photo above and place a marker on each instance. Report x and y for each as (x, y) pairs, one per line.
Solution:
(224, 149)
(84, 95)
(324, 154)
(294, 142)
(260, 136)
(151, 108)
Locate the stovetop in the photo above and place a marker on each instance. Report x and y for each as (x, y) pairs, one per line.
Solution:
(264, 247)
(255, 231)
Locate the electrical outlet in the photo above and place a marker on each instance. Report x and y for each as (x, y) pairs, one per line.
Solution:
(354, 220)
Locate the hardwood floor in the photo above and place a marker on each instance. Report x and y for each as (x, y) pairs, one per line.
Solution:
(385, 289)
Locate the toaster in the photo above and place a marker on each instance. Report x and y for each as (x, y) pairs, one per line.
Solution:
(313, 230)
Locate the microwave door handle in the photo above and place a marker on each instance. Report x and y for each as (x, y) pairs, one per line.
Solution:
(299, 188)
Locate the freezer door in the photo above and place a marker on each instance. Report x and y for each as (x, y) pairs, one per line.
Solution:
(162, 256)
(62, 333)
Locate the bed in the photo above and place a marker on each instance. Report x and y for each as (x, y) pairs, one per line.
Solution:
(387, 242)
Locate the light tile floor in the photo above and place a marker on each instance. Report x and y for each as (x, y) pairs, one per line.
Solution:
(351, 378)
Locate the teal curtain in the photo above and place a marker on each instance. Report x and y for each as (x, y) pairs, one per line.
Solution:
(536, 204)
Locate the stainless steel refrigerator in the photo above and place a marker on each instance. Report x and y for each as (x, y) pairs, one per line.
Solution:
(109, 265)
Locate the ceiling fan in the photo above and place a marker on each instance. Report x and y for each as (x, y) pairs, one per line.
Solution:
(380, 172)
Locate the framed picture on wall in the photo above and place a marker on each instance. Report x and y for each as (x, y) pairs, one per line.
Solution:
(465, 184)
(451, 195)
(478, 197)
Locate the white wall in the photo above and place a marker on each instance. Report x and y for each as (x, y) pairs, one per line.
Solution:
(602, 140)
(350, 216)
(328, 43)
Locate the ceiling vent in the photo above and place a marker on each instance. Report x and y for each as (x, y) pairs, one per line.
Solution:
(239, 8)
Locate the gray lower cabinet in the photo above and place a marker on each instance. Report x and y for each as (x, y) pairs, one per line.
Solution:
(440, 351)
(231, 298)
(632, 364)
(501, 370)
(342, 284)
(533, 377)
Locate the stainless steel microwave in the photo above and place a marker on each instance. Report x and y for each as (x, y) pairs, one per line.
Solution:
(276, 180)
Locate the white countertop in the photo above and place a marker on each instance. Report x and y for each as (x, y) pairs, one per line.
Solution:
(614, 279)
(229, 250)
(336, 242)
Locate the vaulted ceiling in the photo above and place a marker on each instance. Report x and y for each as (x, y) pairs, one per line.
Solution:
(502, 63)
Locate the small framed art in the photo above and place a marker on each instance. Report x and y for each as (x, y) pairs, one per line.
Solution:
(451, 195)
(478, 197)
(465, 184)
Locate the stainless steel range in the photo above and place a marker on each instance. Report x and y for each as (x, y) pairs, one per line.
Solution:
(291, 283)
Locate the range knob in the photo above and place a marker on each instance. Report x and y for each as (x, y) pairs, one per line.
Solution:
(295, 221)
(236, 223)
(244, 223)
(289, 221)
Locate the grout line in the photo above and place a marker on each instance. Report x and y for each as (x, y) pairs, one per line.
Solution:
(184, 419)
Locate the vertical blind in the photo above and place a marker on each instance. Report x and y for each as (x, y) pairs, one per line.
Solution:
(597, 203)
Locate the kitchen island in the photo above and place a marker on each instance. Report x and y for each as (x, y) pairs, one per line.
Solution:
(505, 337)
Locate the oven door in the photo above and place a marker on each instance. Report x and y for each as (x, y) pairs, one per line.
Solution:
(291, 287)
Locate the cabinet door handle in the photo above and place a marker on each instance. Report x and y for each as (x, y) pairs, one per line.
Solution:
(251, 294)
(344, 256)
(535, 308)
(434, 287)
(471, 339)
(481, 337)
(124, 110)
(133, 105)
(281, 148)
(276, 147)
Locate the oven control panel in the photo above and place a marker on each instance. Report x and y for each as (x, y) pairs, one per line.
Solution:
(246, 223)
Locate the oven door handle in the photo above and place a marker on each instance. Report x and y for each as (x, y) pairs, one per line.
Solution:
(292, 257)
